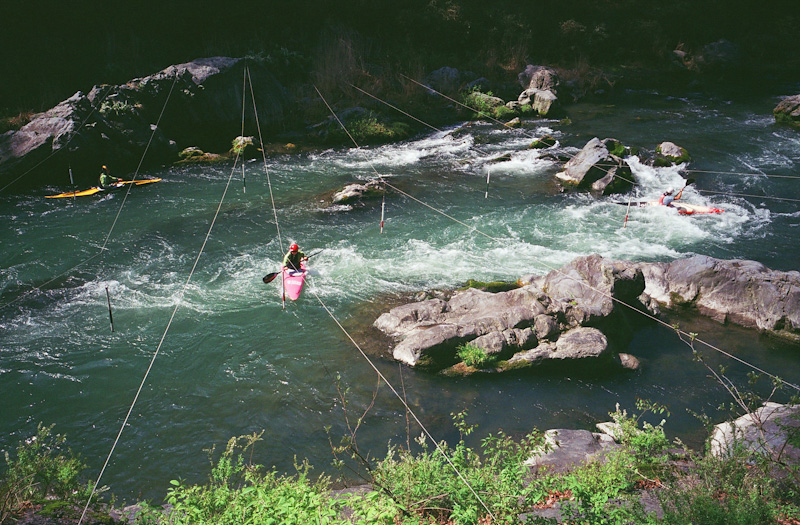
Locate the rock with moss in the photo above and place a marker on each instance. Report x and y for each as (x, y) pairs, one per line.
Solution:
(543, 142)
(524, 326)
(670, 154)
(598, 167)
(194, 155)
(788, 111)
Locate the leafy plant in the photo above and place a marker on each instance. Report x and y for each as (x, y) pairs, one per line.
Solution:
(370, 129)
(116, 108)
(238, 492)
(240, 143)
(475, 356)
(43, 467)
(647, 441)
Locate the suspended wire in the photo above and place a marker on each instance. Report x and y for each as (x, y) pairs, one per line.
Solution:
(181, 295)
(405, 404)
(744, 174)
(52, 153)
(748, 195)
(604, 294)
(244, 99)
(116, 218)
(408, 408)
(141, 160)
(266, 170)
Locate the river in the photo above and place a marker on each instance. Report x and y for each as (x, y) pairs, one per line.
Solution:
(232, 361)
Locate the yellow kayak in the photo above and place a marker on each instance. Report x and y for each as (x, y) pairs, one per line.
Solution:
(97, 189)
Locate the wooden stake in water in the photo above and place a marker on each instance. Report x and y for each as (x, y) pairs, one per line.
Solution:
(72, 182)
(110, 316)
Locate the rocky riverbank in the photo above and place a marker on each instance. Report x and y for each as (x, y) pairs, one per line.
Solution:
(198, 104)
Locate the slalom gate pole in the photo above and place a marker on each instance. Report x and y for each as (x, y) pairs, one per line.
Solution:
(110, 316)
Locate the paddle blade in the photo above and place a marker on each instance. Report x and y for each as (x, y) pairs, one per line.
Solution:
(270, 277)
(689, 181)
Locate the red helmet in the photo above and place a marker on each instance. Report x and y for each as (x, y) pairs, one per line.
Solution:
(294, 247)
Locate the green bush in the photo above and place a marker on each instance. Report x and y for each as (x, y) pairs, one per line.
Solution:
(240, 493)
(475, 356)
(43, 467)
(370, 130)
(426, 487)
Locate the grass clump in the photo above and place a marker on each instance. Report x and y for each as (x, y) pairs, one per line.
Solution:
(116, 108)
(475, 356)
(491, 286)
(239, 492)
(371, 130)
(425, 488)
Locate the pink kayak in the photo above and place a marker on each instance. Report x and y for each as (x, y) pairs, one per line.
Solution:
(293, 281)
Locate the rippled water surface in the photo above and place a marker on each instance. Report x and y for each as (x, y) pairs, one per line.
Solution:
(231, 361)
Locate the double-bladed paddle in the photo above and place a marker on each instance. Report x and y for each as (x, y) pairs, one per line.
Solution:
(271, 276)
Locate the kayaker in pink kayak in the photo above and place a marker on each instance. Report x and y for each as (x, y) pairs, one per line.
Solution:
(293, 258)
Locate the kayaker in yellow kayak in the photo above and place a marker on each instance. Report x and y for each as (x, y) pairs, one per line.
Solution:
(106, 179)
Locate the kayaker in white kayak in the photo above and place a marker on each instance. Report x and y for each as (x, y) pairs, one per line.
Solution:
(293, 258)
(667, 197)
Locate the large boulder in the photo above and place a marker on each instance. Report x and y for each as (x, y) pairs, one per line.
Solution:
(788, 111)
(565, 449)
(147, 119)
(588, 308)
(742, 292)
(430, 331)
(540, 88)
(598, 167)
(771, 431)
(556, 318)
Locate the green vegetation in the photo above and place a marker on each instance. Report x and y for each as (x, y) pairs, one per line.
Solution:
(491, 286)
(42, 469)
(428, 484)
(369, 130)
(475, 356)
(239, 144)
(486, 105)
(117, 108)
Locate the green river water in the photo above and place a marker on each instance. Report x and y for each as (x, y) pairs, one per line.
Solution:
(234, 362)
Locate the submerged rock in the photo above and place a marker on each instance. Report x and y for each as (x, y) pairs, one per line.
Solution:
(358, 191)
